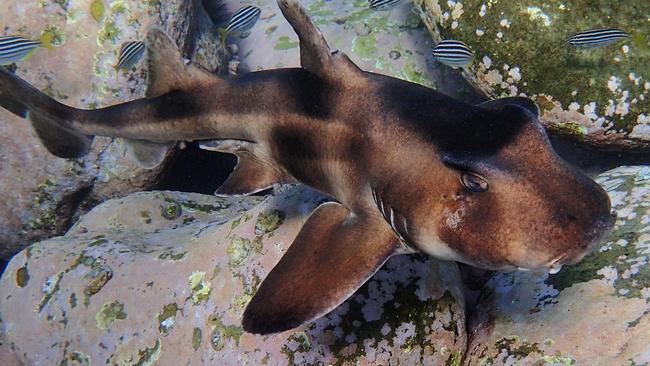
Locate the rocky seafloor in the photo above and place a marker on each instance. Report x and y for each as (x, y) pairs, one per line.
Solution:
(43, 195)
(163, 277)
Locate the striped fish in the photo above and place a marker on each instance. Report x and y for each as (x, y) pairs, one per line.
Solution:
(597, 37)
(130, 54)
(14, 49)
(453, 53)
(385, 4)
(244, 19)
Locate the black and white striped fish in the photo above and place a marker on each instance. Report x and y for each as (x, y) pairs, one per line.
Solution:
(453, 53)
(14, 49)
(244, 19)
(130, 54)
(597, 37)
(385, 4)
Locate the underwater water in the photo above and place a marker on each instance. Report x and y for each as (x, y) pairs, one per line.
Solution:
(189, 182)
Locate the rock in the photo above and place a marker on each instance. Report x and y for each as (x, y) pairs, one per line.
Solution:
(41, 194)
(164, 277)
(596, 312)
(233, 49)
(596, 95)
(234, 67)
(366, 36)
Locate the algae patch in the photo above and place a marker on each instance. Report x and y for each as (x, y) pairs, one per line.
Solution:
(98, 277)
(284, 43)
(365, 46)
(221, 333)
(167, 317)
(147, 356)
(50, 287)
(200, 287)
(268, 221)
(52, 36)
(80, 358)
(97, 10)
(109, 31)
(22, 277)
(238, 251)
(170, 254)
(172, 210)
(197, 335)
(109, 313)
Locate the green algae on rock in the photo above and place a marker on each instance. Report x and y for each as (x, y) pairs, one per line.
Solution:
(268, 221)
(166, 317)
(200, 287)
(98, 276)
(197, 338)
(109, 313)
(521, 49)
(97, 10)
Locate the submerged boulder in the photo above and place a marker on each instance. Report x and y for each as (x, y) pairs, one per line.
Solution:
(164, 278)
(388, 42)
(598, 95)
(596, 312)
(41, 194)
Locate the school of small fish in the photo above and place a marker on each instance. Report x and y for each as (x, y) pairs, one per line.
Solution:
(130, 54)
(453, 53)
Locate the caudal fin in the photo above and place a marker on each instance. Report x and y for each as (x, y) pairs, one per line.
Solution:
(50, 119)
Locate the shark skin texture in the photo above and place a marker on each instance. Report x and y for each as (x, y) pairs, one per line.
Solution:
(410, 169)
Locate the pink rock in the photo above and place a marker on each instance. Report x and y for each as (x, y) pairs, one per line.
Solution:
(42, 194)
(164, 277)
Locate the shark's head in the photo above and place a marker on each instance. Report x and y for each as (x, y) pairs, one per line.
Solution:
(506, 200)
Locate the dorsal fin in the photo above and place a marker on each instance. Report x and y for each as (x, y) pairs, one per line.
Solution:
(166, 67)
(315, 55)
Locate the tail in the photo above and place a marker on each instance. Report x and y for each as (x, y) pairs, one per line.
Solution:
(50, 119)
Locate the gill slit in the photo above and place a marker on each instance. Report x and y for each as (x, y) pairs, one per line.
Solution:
(390, 219)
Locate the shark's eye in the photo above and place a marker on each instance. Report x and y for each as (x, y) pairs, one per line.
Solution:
(473, 182)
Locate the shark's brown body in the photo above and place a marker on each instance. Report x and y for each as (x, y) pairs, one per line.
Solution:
(410, 169)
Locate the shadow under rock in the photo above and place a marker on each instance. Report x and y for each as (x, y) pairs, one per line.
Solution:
(594, 161)
(195, 170)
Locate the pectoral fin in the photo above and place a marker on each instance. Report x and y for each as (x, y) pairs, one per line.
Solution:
(333, 255)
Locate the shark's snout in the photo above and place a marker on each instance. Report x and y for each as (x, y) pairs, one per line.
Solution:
(601, 226)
